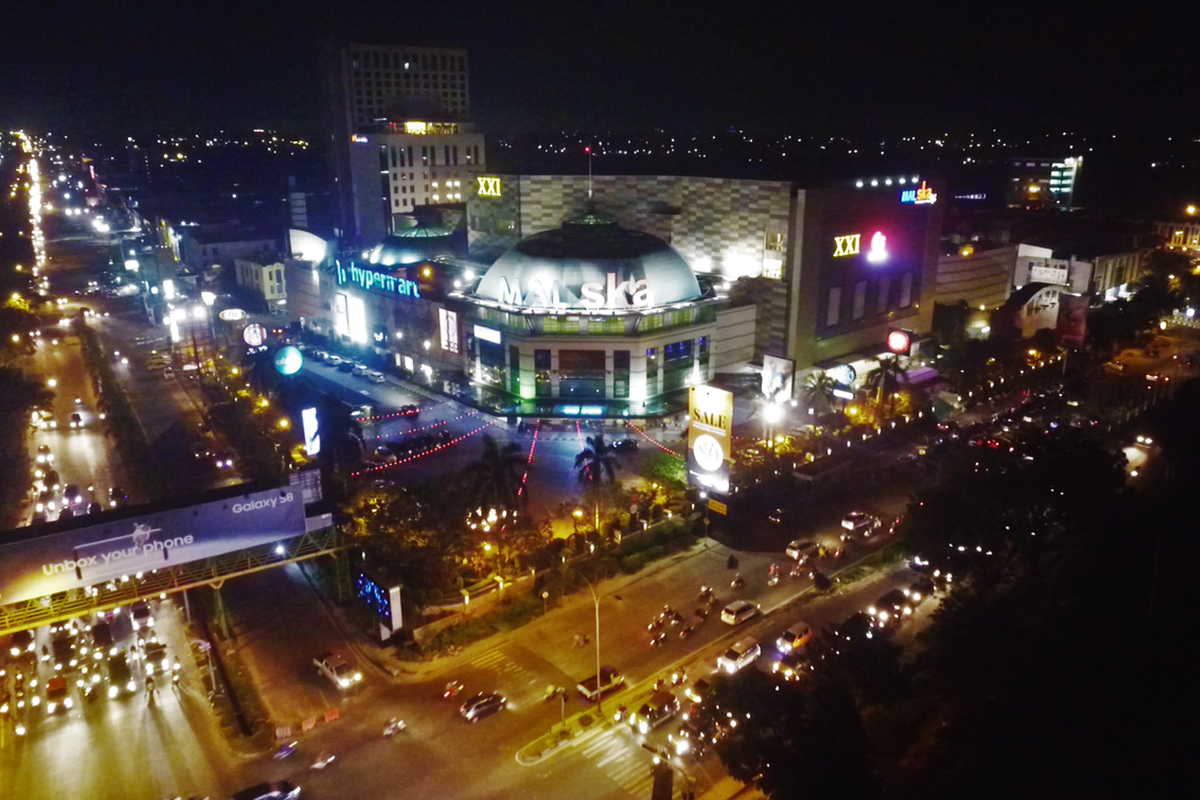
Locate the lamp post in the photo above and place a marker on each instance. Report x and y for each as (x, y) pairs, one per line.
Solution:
(599, 686)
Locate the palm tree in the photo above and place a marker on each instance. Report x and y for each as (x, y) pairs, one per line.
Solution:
(886, 379)
(597, 459)
(495, 479)
(818, 391)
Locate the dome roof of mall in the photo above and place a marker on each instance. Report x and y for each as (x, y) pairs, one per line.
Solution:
(587, 249)
(412, 245)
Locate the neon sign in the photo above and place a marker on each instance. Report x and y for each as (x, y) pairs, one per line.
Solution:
(922, 196)
(370, 279)
(358, 139)
(878, 252)
(488, 187)
(846, 245)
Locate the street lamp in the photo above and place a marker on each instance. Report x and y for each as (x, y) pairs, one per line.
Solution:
(599, 686)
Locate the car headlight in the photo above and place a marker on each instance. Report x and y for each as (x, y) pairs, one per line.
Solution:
(68, 703)
(343, 682)
(113, 651)
(131, 686)
(3, 708)
(136, 625)
(357, 677)
(149, 668)
(36, 701)
(20, 730)
(112, 691)
(643, 727)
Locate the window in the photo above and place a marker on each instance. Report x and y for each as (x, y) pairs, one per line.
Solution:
(651, 371)
(677, 364)
(885, 286)
(906, 290)
(541, 373)
(514, 369)
(580, 373)
(606, 325)
(860, 300)
(560, 325)
(833, 310)
(446, 153)
(621, 363)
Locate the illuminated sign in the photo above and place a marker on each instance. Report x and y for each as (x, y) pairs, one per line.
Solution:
(899, 341)
(254, 335)
(846, 245)
(488, 187)
(288, 360)
(312, 439)
(231, 315)
(370, 279)
(710, 431)
(487, 334)
(358, 139)
(448, 325)
(843, 374)
(632, 293)
(777, 377)
(923, 196)
(878, 252)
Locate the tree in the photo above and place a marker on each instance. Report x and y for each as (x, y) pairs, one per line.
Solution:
(818, 392)
(886, 379)
(341, 435)
(597, 460)
(495, 479)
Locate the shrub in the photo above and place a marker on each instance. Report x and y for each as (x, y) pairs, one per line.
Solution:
(633, 563)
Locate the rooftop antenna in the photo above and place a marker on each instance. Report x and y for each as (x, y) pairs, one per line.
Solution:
(588, 151)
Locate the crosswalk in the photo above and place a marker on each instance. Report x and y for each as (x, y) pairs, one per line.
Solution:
(497, 662)
(615, 754)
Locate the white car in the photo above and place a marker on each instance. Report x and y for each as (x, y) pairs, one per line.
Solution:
(794, 637)
(738, 612)
(375, 377)
(860, 522)
(740, 655)
(334, 667)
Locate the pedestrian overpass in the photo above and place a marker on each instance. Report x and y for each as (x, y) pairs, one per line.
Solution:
(82, 565)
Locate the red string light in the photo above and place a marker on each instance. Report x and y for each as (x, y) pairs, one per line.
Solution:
(662, 447)
(529, 459)
(430, 451)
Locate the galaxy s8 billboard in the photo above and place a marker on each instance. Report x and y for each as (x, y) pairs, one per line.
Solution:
(75, 559)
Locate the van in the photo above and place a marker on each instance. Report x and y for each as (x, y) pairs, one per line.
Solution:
(738, 612)
(794, 637)
(740, 655)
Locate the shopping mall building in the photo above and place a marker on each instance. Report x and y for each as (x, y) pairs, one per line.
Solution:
(545, 301)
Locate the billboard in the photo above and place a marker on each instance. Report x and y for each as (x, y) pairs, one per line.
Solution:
(1072, 318)
(777, 376)
(312, 439)
(710, 436)
(39, 566)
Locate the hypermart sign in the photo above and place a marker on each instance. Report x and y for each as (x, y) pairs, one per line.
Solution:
(371, 279)
(710, 435)
(44, 565)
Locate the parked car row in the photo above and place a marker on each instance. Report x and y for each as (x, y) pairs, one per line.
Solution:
(343, 364)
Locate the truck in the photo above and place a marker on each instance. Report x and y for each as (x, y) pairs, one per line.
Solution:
(597, 686)
(334, 667)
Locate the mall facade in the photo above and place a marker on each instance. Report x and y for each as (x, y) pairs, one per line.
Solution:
(555, 296)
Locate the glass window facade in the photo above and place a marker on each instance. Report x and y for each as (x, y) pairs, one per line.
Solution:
(541, 373)
(677, 364)
(580, 373)
(621, 362)
(651, 371)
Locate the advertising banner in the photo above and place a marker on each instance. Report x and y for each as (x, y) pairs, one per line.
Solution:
(710, 436)
(777, 376)
(79, 558)
(1072, 318)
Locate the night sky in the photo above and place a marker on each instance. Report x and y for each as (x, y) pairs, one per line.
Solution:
(183, 66)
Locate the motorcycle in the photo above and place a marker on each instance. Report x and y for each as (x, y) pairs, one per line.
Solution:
(324, 759)
(284, 751)
(686, 631)
(393, 727)
(655, 624)
(676, 618)
(737, 583)
(701, 614)
(659, 640)
(580, 641)
(678, 678)
(452, 689)
(552, 692)
(705, 593)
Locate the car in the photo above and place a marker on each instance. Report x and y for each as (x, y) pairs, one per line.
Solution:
(346, 366)
(102, 641)
(44, 456)
(481, 705)
(858, 625)
(409, 409)
(141, 615)
(76, 420)
(798, 548)
(45, 502)
(168, 373)
(607, 681)
(740, 655)
(919, 589)
(94, 508)
(336, 668)
(661, 706)
(63, 648)
(155, 659)
(58, 697)
(859, 522)
(794, 638)
(276, 790)
(360, 370)
(201, 449)
(120, 676)
(792, 666)
(738, 612)
(626, 446)
(697, 690)
(376, 377)
(21, 644)
(222, 460)
(333, 360)
(117, 497)
(71, 495)
(891, 609)
(316, 355)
